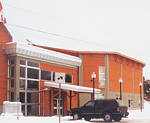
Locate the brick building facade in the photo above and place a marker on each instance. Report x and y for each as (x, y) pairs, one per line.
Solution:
(26, 68)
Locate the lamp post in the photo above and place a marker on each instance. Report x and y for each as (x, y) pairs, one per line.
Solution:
(93, 77)
(140, 84)
(60, 80)
(120, 81)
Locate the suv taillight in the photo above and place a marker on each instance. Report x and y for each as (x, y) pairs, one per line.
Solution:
(118, 109)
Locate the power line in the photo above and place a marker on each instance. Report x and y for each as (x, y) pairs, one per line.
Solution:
(36, 30)
(54, 34)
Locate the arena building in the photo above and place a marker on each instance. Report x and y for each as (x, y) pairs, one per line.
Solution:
(30, 74)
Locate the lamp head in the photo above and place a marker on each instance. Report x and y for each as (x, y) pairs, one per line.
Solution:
(93, 75)
(140, 84)
(120, 80)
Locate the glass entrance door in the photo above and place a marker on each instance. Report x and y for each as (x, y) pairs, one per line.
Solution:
(56, 106)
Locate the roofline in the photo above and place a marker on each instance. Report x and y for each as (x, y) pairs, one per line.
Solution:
(112, 53)
(52, 48)
(92, 52)
(6, 30)
(41, 54)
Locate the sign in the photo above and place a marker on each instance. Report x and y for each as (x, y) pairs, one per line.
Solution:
(60, 77)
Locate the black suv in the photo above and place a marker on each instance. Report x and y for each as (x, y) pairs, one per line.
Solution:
(108, 109)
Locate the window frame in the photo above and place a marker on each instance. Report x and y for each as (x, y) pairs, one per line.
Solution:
(101, 77)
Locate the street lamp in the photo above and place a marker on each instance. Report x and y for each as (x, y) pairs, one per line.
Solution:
(59, 80)
(120, 81)
(140, 84)
(93, 77)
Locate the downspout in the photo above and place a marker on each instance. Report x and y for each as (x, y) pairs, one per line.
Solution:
(106, 92)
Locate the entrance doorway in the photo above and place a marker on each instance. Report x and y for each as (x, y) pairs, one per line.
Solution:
(56, 106)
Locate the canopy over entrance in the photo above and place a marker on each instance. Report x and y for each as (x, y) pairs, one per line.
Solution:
(75, 88)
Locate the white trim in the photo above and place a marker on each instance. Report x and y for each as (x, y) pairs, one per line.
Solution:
(41, 54)
(72, 87)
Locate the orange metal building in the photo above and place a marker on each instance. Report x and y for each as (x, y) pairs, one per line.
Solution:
(25, 70)
(109, 68)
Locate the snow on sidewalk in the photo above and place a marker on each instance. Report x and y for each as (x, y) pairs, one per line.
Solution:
(138, 115)
(134, 115)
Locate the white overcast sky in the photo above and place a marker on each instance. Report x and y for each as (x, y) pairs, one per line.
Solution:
(102, 25)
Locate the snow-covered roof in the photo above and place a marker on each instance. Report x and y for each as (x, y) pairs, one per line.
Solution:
(29, 51)
(72, 87)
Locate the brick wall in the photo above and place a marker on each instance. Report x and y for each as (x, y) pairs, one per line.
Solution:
(4, 38)
(91, 63)
(130, 71)
(55, 68)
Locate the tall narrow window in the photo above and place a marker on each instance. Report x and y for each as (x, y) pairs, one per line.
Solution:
(22, 97)
(12, 96)
(102, 76)
(22, 72)
(68, 78)
(53, 76)
(12, 71)
(12, 83)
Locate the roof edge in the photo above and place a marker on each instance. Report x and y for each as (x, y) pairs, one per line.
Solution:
(92, 52)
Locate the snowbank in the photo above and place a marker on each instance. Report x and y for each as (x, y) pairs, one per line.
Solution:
(138, 115)
(134, 115)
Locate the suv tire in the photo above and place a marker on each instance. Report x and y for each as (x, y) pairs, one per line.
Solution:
(117, 119)
(107, 118)
(75, 116)
(87, 118)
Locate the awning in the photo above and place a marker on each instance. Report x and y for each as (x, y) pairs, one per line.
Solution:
(75, 88)
(41, 54)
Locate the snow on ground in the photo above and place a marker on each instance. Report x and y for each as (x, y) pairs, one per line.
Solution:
(138, 115)
(134, 115)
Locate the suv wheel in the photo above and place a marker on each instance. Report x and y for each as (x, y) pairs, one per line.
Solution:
(117, 119)
(87, 118)
(107, 118)
(75, 116)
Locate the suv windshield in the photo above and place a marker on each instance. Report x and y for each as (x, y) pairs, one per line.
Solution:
(89, 104)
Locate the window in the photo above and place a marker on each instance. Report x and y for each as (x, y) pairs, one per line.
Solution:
(32, 64)
(53, 75)
(12, 96)
(33, 73)
(22, 97)
(32, 84)
(12, 83)
(22, 84)
(12, 61)
(12, 71)
(101, 76)
(45, 75)
(68, 78)
(22, 72)
(22, 62)
(23, 109)
(29, 87)
(32, 97)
